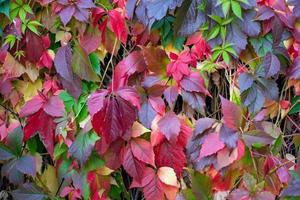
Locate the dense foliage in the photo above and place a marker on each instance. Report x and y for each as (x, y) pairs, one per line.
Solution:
(149, 99)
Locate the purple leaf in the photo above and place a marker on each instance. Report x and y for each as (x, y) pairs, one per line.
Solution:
(264, 13)
(188, 18)
(271, 65)
(26, 165)
(237, 37)
(157, 9)
(294, 71)
(293, 189)
(147, 114)
(228, 136)
(203, 124)
(28, 191)
(66, 14)
(245, 81)
(248, 24)
(169, 125)
(10, 170)
(130, 6)
(81, 14)
(63, 62)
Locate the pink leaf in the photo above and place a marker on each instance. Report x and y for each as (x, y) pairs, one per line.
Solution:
(54, 107)
(142, 150)
(212, 144)
(117, 22)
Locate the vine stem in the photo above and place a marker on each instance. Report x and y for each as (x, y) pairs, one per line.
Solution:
(109, 63)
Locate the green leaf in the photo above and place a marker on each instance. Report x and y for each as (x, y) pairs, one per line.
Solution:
(223, 33)
(68, 100)
(226, 57)
(214, 32)
(95, 63)
(201, 186)
(22, 15)
(216, 18)
(236, 8)
(295, 105)
(27, 8)
(226, 7)
(249, 181)
(15, 139)
(216, 54)
(82, 66)
(59, 149)
(276, 147)
(94, 162)
(33, 29)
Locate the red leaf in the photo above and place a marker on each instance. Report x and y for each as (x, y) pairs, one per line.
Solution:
(43, 124)
(167, 154)
(34, 46)
(169, 125)
(211, 145)
(232, 114)
(117, 22)
(133, 166)
(114, 119)
(153, 190)
(142, 150)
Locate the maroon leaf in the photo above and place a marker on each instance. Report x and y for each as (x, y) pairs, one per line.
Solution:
(34, 46)
(153, 190)
(170, 132)
(170, 155)
(114, 119)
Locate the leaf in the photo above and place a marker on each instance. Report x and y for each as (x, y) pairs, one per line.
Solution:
(167, 176)
(15, 139)
(257, 138)
(236, 37)
(95, 101)
(295, 105)
(11, 67)
(117, 22)
(170, 132)
(232, 114)
(43, 124)
(35, 48)
(54, 107)
(27, 165)
(49, 179)
(236, 8)
(138, 129)
(228, 136)
(153, 190)
(132, 165)
(211, 145)
(188, 18)
(271, 65)
(82, 147)
(32, 106)
(4, 7)
(109, 121)
(147, 114)
(249, 181)
(10, 170)
(63, 62)
(201, 186)
(194, 83)
(158, 9)
(82, 66)
(293, 189)
(5, 153)
(156, 59)
(28, 191)
(294, 71)
(142, 150)
(170, 155)
(245, 81)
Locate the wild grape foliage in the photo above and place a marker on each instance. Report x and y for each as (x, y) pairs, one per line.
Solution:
(150, 99)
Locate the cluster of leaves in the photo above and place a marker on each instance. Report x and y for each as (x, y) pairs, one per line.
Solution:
(150, 99)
